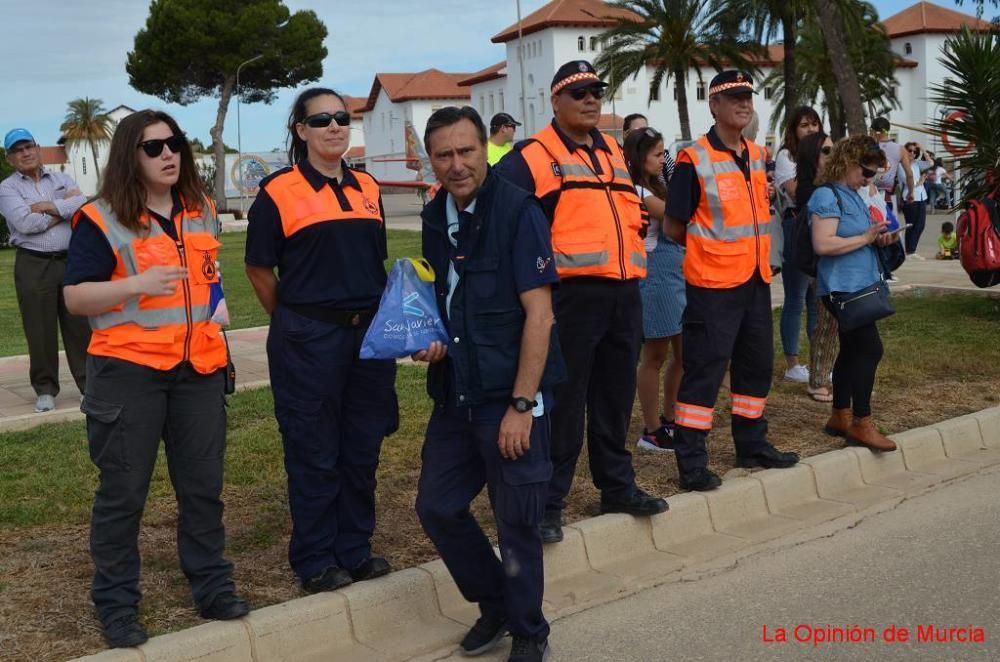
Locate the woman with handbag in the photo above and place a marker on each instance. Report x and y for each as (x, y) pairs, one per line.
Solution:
(850, 280)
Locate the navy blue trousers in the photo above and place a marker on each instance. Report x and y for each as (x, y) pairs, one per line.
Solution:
(461, 455)
(333, 410)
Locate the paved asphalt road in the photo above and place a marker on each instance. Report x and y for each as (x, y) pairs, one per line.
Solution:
(934, 559)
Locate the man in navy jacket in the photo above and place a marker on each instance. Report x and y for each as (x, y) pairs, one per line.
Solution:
(488, 242)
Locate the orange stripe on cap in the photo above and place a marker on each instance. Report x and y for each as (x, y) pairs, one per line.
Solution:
(575, 78)
(729, 86)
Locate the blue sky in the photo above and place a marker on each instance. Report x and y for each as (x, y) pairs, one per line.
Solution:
(54, 51)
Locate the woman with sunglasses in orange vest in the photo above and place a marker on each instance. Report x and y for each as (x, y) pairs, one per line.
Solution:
(141, 264)
(321, 225)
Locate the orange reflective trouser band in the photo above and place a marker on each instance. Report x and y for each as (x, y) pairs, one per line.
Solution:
(693, 416)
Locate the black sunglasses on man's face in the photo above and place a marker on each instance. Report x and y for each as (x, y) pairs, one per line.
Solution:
(581, 93)
(154, 148)
(322, 120)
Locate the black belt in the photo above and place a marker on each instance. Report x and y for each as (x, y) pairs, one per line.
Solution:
(57, 255)
(345, 318)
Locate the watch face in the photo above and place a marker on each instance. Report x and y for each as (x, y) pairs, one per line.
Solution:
(521, 406)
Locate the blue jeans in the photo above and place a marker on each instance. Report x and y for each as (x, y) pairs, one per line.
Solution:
(797, 293)
(915, 213)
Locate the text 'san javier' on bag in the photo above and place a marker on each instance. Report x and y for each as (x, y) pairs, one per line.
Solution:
(407, 320)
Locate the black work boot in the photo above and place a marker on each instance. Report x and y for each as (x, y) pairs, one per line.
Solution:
(125, 632)
(699, 479)
(484, 636)
(768, 457)
(551, 527)
(638, 503)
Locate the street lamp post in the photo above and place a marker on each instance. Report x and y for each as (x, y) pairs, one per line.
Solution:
(239, 137)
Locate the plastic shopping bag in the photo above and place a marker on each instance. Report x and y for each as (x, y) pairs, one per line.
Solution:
(217, 301)
(407, 320)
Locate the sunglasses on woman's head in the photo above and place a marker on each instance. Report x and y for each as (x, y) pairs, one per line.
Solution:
(581, 93)
(154, 148)
(868, 172)
(322, 120)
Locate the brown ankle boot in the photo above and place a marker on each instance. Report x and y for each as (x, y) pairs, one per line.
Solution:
(862, 431)
(839, 421)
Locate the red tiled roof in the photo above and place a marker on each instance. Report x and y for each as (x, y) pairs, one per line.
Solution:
(356, 105)
(498, 70)
(776, 55)
(429, 84)
(928, 18)
(566, 13)
(54, 155)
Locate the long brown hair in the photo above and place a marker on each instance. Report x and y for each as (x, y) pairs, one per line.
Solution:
(638, 144)
(791, 141)
(122, 186)
(297, 148)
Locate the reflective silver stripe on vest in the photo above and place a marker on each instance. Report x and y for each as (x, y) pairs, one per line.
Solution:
(639, 259)
(577, 170)
(576, 260)
(707, 170)
(121, 240)
(149, 319)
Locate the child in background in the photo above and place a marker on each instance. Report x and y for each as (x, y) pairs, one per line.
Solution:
(947, 242)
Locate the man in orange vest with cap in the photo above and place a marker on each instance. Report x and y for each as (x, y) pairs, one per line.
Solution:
(598, 225)
(718, 201)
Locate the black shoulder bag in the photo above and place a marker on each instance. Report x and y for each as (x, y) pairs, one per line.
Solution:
(870, 304)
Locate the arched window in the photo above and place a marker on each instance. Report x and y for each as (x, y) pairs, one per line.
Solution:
(908, 47)
(581, 44)
(593, 43)
(84, 160)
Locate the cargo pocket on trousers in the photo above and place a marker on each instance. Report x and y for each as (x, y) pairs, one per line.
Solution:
(105, 434)
(520, 496)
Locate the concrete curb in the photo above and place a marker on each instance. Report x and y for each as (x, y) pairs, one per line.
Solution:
(419, 613)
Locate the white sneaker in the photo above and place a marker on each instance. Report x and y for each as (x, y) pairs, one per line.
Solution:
(916, 256)
(44, 403)
(798, 373)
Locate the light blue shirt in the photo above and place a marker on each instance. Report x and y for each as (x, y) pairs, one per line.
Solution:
(34, 230)
(859, 268)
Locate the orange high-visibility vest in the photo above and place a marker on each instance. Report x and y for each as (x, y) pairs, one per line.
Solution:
(161, 331)
(300, 205)
(728, 238)
(599, 222)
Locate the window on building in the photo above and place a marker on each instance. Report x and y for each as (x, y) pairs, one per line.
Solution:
(482, 104)
(581, 44)
(541, 100)
(84, 160)
(654, 93)
(675, 92)
(501, 101)
(768, 92)
(539, 46)
(701, 92)
(908, 47)
(492, 106)
(593, 43)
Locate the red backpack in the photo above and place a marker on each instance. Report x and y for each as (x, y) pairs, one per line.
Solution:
(979, 241)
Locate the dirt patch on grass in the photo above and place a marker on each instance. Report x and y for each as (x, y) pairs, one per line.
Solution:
(45, 572)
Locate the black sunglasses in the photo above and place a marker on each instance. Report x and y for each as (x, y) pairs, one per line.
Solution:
(826, 150)
(322, 120)
(154, 148)
(868, 172)
(581, 93)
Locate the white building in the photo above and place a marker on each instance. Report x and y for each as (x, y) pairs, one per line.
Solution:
(398, 100)
(565, 30)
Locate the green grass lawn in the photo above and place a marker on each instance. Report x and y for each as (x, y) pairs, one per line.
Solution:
(243, 307)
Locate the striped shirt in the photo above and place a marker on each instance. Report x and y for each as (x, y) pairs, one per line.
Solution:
(32, 230)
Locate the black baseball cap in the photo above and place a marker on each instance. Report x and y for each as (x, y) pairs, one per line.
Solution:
(502, 119)
(731, 83)
(574, 75)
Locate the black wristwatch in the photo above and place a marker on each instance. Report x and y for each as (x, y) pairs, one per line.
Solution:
(522, 405)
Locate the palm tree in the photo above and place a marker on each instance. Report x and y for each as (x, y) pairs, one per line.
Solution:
(834, 32)
(673, 36)
(87, 121)
(971, 92)
(767, 19)
(870, 56)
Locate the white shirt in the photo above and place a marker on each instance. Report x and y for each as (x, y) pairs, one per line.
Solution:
(653, 232)
(919, 192)
(784, 170)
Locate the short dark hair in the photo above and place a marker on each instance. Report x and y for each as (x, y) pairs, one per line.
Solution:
(450, 115)
(627, 122)
(947, 227)
(881, 125)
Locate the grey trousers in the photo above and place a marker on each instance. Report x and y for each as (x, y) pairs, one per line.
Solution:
(129, 408)
(38, 282)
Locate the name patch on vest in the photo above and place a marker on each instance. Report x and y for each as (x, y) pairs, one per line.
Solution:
(728, 190)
